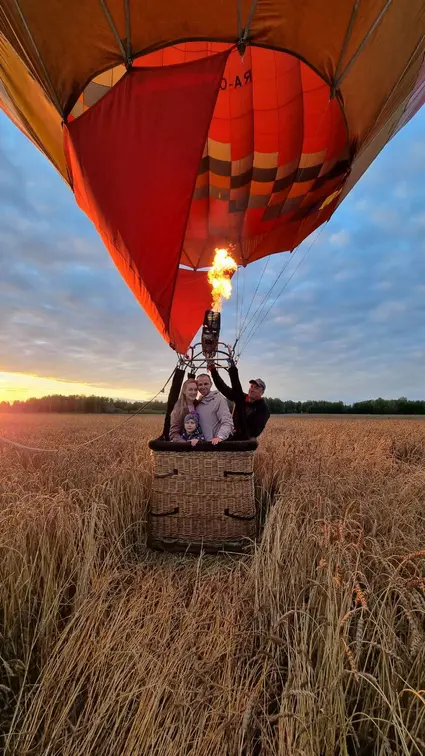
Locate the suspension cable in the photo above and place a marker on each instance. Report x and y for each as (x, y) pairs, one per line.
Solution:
(258, 325)
(237, 303)
(241, 329)
(96, 438)
(243, 292)
(258, 312)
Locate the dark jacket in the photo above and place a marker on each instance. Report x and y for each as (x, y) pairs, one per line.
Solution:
(190, 436)
(250, 418)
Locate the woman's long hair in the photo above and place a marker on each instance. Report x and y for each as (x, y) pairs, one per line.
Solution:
(181, 408)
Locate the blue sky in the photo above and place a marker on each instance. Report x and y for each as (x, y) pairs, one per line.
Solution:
(349, 325)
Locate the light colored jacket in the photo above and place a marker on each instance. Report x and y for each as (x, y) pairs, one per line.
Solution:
(216, 420)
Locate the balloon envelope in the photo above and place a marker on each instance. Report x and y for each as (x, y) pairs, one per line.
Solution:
(197, 145)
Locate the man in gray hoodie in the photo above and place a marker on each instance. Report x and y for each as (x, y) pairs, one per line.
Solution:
(214, 414)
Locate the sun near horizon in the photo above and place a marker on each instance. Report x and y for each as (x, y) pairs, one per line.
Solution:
(22, 386)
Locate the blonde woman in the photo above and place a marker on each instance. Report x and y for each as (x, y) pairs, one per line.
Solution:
(185, 404)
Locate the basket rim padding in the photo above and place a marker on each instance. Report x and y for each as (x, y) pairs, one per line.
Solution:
(158, 444)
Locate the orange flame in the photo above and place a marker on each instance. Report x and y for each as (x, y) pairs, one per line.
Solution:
(220, 276)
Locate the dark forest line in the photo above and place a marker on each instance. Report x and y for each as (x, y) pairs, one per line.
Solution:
(105, 405)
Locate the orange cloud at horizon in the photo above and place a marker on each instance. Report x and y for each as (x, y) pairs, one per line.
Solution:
(21, 386)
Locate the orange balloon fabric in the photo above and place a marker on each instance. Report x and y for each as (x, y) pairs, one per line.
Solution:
(180, 158)
(177, 140)
(133, 160)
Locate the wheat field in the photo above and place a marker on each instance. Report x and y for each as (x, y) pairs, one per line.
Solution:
(312, 644)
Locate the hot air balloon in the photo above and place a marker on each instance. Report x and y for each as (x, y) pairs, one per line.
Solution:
(184, 127)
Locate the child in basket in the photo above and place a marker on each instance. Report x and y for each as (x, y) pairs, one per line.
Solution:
(191, 429)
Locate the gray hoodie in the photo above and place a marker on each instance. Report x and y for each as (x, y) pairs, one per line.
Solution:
(215, 417)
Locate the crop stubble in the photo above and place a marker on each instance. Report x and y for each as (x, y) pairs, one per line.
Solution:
(313, 644)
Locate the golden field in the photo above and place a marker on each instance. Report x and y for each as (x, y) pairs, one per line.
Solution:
(314, 644)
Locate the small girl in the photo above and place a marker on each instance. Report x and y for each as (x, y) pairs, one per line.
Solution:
(192, 430)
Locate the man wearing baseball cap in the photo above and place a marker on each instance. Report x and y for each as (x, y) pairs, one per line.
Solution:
(250, 411)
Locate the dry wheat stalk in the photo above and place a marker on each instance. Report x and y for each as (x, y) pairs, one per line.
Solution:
(134, 652)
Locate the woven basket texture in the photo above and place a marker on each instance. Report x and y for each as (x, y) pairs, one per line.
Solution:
(199, 497)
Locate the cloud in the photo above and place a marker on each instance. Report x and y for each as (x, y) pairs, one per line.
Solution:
(12, 185)
(402, 190)
(388, 310)
(419, 220)
(340, 238)
(385, 217)
(350, 323)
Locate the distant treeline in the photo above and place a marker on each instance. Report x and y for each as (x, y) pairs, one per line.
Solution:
(401, 406)
(79, 404)
(102, 404)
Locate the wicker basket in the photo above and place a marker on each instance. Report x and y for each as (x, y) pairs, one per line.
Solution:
(202, 498)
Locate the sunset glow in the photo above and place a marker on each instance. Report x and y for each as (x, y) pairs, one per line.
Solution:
(21, 386)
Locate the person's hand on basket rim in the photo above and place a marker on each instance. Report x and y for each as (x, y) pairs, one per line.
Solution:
(216, 441)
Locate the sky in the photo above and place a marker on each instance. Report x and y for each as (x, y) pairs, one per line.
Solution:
(349, 324)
